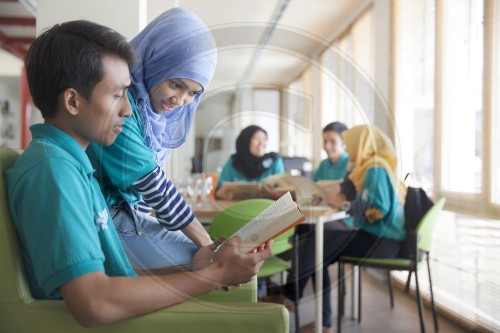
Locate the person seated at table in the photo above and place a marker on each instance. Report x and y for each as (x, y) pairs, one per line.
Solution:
(335, 165)
(250, 163)
(377, 213)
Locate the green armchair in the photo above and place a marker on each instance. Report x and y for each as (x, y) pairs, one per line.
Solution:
(214, 312)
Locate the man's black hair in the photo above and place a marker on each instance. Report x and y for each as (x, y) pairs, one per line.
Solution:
(336, 126)
(69, 55)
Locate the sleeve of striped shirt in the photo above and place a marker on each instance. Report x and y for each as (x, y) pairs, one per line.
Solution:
(160, 194)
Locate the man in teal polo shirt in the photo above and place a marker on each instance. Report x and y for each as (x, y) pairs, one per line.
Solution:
(70, 246)
(334, 167)
(56, 164)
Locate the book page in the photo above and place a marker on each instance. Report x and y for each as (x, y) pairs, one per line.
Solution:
(330, 186)
(328, 183)
(282, 215)
(307, 193)
(278, 182)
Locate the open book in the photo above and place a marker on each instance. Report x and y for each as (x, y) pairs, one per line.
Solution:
(249, 190)
(281, 216)
(243, 190)
(307, 192)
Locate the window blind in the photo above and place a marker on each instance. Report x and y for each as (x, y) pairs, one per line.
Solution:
(465, 250)
(465, 272)
(495, 109)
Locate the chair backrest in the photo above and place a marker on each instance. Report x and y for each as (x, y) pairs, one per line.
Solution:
(13, 282)
(417, 204)
(237, 215)
(426, 226)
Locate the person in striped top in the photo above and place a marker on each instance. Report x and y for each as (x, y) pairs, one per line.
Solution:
(177, 58)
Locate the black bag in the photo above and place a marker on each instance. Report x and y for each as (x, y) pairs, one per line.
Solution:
(416, 205)
(348, 189)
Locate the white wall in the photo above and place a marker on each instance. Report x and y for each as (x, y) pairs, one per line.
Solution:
(9, 122)
(10, 71)
(213, 121)
(10, 65)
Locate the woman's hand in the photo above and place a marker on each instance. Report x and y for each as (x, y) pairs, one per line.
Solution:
(271, 192)
(205, 254)
(350, 166)
(224, 194)
(335, 200)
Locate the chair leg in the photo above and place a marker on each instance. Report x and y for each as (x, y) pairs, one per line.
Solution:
(359, 294)
(342, 289)
(433, 305)
(340, 298)
(389, 282)
(296, 280)
(408, 280)
(420, 305)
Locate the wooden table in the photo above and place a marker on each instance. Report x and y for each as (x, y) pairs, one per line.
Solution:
(315, 215)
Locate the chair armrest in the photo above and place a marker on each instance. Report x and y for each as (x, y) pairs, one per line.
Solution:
(245, 293)
(44, 316)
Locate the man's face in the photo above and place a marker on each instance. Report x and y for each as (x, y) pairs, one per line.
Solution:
(333, 145)
(171, 93)
(258, 144)
(101, 119)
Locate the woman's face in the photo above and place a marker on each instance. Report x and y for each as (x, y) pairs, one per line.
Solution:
(333, 145)
(258, 144)
(171, 93)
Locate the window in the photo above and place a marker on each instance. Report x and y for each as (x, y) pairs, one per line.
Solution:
(414, 89)
(447, 76)
(347, 66)
(298, 139)
(461, 87)
(265, 113)
(495, 108)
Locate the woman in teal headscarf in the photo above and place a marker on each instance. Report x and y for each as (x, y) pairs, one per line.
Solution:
(176, 61)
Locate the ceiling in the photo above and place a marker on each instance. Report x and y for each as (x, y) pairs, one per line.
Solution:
(265, 42)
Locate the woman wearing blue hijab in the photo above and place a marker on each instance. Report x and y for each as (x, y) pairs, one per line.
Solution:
(176, 61)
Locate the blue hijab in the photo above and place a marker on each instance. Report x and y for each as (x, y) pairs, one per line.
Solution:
(177, 44)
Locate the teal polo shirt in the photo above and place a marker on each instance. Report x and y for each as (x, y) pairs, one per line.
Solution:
(64, 226)
(328, 170)
(379, 192)
(119, 165)
(230, 174)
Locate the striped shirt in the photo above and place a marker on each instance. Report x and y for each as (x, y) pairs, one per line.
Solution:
(160, 194)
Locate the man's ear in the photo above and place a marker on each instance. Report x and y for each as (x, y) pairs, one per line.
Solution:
(71, 100)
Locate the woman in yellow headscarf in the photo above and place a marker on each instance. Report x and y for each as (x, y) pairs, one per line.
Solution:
(376, 210)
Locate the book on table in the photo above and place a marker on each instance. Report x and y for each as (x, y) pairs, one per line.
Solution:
(243, 190)
(249, 190)
(306, 192)
(279, 217)
(303, 190)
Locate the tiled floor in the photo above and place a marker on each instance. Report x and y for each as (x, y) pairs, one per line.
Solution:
(377, 316)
